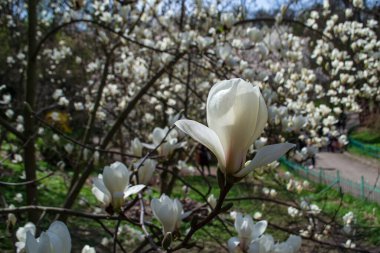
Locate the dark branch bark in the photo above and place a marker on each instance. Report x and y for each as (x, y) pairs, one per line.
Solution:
(29, 126)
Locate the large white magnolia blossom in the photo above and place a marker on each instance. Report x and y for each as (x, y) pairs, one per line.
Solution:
(236, 117)
(113, 188)
(169, 212)
(55, 239)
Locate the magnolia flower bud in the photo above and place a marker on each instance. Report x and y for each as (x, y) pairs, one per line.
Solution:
(145, 172)
(236, 115)
(112, 188)
(12, 219)
(55, 239)
(211, 200)
(136, 147)
(169, 212)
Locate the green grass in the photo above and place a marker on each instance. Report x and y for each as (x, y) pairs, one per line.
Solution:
(53, 191)
(371, 140)
(368, 136)
(331, 202)
(360, 152)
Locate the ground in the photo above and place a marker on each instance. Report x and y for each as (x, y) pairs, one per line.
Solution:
(351, 167)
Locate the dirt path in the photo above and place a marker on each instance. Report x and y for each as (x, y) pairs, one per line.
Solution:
(350, 166)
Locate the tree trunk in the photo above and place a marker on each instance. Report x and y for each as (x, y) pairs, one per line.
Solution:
(29, 124)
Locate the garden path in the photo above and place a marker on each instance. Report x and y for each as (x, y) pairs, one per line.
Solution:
(350, 166)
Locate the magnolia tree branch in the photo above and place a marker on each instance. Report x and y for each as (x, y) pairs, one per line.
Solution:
(27, 182)
(215, 212)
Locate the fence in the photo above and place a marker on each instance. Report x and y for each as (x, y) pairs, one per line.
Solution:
(333, 178)
(367, 149)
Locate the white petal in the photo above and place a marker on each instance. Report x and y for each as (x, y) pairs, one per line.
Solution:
(238, 221)
(254, 247)
(31, 244)
(295, 242)
(233, 244)
(146, 170)
(56, 243)
(186, 214)
(262, 118)
(21, 232)
(133, 190)
(116, 177)
(259, 228)
(60, 229)
(163, 210)
(262, 245)
(159, 134)
(101, 192)
(205, 136)
(149, 146)
(44, 244)
(233, 113)
(265, 156)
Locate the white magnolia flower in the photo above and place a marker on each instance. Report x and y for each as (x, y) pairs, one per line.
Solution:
(169, 145)
(21, 235)
(88, 249)
(55, 239)
(236, 117)
(247, 232)
(291, 245)
(254, 34)
(310, 208)
(257, 215)
(293, 212)
(79, 106)
(349, 244)
(112, 188)
(9, 113)
(18, 197)
(57, 94)
(169, 212)
(262, 245)
(265, 244)
(69, 148)
(227, 19)
(146, 171)
(224, 51)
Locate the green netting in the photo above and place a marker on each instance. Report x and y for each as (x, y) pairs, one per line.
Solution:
(369, 149)
(321, 176)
